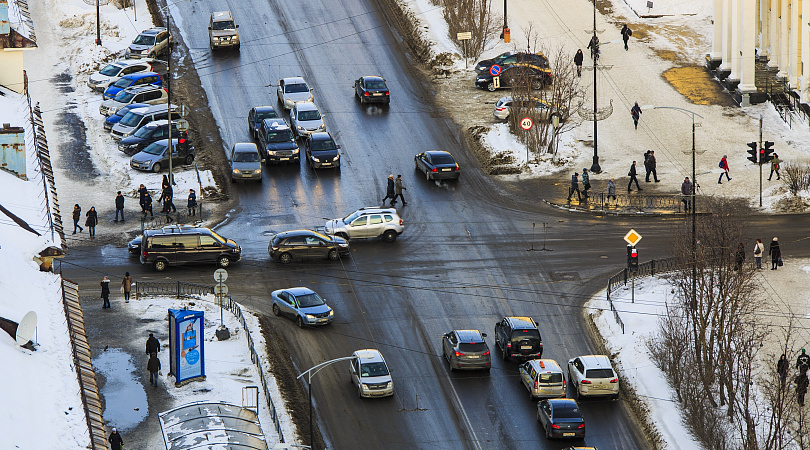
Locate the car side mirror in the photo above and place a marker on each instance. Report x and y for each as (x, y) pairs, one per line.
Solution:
(209, 28)
(483, 335)
(237, 26)
(337, 146)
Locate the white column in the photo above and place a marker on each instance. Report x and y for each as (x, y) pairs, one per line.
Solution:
(717, 35)
(725, 66)
(773, 25)
(763, 33)
(805, 52)
(750, 17)
(795, 41)
(736, 33)
(784, 26)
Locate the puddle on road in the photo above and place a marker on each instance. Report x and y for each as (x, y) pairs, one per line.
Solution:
(122, 392)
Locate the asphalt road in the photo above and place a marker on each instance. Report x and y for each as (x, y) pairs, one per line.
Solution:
(463, 262)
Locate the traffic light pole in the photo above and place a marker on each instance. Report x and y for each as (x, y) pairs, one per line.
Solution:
(760, 161)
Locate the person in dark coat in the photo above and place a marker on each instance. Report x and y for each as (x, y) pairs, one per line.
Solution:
(739, 256)
(647, 165)
(119, 206)
(165, 184)
(398, 188)
(116, 443)
(574, 187)
(77, 215)
(652, 163)
(782, 369)
(635, 112)
(686, 191)
(142, 191)
(626, 33)
(105, 292)
(389, 191)
(192, 203)
(578, 61)
(153, 366)
(586, 183)
(147, 204)
(593, 45)
(632, 174)
(801, 387)
(803, 362)
(92, 221)
(168, 197)
(152, 345)
(776, 255)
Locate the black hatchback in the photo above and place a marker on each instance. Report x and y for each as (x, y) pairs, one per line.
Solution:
(151, 132)
(301, 245)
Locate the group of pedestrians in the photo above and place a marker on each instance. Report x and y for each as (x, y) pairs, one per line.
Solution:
(593, 46)
(126, 289)
(802, 381)
(393, 190)
(774, 251)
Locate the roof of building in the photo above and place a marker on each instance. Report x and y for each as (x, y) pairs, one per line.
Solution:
(21, 26)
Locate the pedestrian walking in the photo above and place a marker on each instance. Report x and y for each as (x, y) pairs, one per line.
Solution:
(153, 366)
(626, 33)
(574, 187)
(142, 191)
(724, 166)
(586, 182)
(167, 196)
(398, 187)
(647, 165)
(147, 205)
(775, 167)
(389, 190)
(192, 203)
(116, 443)
(165, 183)
(739, 256)
(105, 292)
(578, 61)
(126, 287)
(776, 256)
(611, 189)
(77, 215)
(801, 387)
(152, 345)
(803, 362)
(632, 175)
(635, 112)
(653, 164)
(91, 221)
(782, 369)
(593, 45)
(759, 249)
(119, 206)
(686, 191)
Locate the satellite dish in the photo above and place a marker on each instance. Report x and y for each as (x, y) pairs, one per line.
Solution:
(26, 328)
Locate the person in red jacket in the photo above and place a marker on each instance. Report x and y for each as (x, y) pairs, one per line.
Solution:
(724, 166)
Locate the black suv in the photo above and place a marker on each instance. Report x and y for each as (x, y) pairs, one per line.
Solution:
(184, 245)
(151, 132)
(276, 142)
(519, 337)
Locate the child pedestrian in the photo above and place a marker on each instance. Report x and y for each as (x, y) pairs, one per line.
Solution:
(192, 203)
(92, 221)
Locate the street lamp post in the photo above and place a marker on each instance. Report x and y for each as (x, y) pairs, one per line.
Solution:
(310, 373)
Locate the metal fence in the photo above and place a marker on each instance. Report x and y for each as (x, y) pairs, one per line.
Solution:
(181, 216)
(603, 202)
(177, 289)
(647, 269)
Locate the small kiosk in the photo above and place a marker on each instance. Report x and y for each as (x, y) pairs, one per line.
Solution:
(186, 346)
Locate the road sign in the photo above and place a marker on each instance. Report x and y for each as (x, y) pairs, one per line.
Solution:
(526, 123)
(183, 110)
(182, 125)
(464, 36)
(495, 70)
(220, 275)
(496, 81)
(220, 290)
(632, 237)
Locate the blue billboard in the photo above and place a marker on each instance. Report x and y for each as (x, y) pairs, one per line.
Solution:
(186, 346)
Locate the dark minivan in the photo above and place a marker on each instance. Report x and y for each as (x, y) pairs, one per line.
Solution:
(519, 337)
(187, 245)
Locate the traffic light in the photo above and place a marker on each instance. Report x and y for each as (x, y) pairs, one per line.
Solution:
(753, 152)
(632, 258)
(182, 142)
(765, 154)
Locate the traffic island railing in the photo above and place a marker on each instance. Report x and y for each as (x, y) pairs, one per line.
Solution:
(601, 201)
(647, 269)
(179, 289)
(181, 216)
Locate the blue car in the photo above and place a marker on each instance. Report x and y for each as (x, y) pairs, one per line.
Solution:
(113, 119)
(133, 79)
(303, 305)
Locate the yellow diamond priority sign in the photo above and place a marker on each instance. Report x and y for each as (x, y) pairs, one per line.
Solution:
(632, 237)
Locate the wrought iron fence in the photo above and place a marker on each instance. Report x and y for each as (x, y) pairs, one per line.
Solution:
(641, 202)
(647, 269)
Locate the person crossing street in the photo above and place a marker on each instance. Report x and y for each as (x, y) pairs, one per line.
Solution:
(632, 174)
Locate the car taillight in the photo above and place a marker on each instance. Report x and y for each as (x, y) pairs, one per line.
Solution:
(144, 253)
(166, 90)
(386, 93)
(536, 384)
(508, 345)
(365, 94)
(400, 222)
(459, 353)
(486, 353)
(582, 425)
(586, 381)
(435, 169)
(555, 426)
(499, 108)
(615, 380)
(457, 166)
(563, 384)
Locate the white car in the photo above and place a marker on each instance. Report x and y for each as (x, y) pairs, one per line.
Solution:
(593, 375)
(306, 119)
(148, 94)
(370, 374)
(111, 73)
(368, 222)
(293, 90)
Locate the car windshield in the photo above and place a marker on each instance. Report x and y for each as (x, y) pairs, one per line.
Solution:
(375, 84)
(155, 149)
(350, 218)
(123, 82)
(111, 70)
(548, 378)
(375, 369)
(472, 347)
(566, 412)
(221, 239)
(144, 39)
(323, 145)
(245, 157)
(441, 158)
(224, 25)
(599, 373)
(309, 300)
(261, 115)
(309, 115)
(145, 132)
(279, 136)
(124, 96)
(131, 119)
(297, 87)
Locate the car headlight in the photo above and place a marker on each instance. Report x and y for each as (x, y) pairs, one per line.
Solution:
(310, 316)
(257, 171)
(331, 313)
(316, 159)
(295, 151)
(322, 126)
(300, 127)
(237, 171)
(337, 157)
(143, 52)
(364, 386)
(344, 245)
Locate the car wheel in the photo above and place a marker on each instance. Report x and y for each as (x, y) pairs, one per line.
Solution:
(504, 354)
(156, 168)
(390, 236)
(233, 180)
(614, 397)
(333, 255)
(491, 87)
(300, 322)
(160, 266)
(285, 258)
(276, 311)
(548, 434)
(537, 85)
(359, 392)
(427, 175)
(343, 235)
(223, 261)
(452, 368)
(260, 179)
(189, 159)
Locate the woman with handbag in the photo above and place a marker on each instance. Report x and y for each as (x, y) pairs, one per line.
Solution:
(776, 254)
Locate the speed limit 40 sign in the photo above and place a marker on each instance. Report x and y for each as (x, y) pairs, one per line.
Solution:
(526, 123)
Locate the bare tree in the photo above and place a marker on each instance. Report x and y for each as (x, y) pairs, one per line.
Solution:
(472, 16)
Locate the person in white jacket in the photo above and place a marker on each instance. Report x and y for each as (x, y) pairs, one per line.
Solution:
(759, 249)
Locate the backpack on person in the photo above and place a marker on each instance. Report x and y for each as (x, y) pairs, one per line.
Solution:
(720, 164)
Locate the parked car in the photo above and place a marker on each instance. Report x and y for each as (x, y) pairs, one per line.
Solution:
(322, 151)
(543, 378)
(519, 337)
(114, 71)
(256, 116)
(536, 108)
(437, 165)
(305, 119)
(593, 375)
(222, 31)
(509, 58)
(136, 118)
(368, 222)
(245, 162)
(303, 305)
(145, 135)
(277, 142)
(370, 374)
(516, 75)
(299, 245)
(149, 44)
(560, 418)
(113, 119)
(135, 79)
(372, 89)
(292, 90)
(149, 94)
(183, 245)
(466, 349)
(155, 157)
